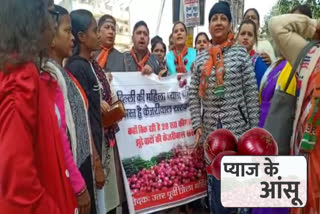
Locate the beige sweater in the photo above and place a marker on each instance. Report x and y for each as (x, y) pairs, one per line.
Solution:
(290, 32)
(264, 46)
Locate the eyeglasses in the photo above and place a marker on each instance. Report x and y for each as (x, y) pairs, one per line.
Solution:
(55, 14)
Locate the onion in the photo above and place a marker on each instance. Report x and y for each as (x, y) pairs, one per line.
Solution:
(218, 141)
(257, 141)
(214, 167)
(159, 185)
(186, 165)
(135, 191)
(134, 179)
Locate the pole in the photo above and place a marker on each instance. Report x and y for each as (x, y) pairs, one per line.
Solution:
(160, 16)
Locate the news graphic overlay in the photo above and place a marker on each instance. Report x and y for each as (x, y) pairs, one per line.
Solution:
(263, 181)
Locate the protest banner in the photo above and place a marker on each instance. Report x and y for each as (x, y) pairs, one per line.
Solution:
(161, 168)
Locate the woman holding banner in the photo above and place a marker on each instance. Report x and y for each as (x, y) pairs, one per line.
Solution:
(223, 84)
(111, 60)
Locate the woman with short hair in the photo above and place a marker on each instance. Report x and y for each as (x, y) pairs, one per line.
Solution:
(223, 84)
(109, 58)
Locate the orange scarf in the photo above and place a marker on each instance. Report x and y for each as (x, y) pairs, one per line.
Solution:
(143, 62)
(180, 66)
(103, 56)
(215, 61)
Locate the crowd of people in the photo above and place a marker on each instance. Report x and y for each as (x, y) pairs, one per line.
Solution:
(55, 87)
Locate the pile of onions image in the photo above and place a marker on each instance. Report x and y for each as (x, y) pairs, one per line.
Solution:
(186, 165)
(219, 143)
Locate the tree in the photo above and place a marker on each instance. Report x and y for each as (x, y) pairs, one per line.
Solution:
(285, 6)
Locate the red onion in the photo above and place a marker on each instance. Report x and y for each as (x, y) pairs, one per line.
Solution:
(214, 167)
(257, 141)
(185, 166)
(218, 141)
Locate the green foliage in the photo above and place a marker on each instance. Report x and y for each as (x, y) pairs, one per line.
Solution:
(135, 164)
(285, 6)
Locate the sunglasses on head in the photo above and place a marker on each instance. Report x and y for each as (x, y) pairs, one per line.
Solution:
(54, 14)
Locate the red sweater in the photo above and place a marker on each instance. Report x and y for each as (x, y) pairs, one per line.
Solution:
(33, 175)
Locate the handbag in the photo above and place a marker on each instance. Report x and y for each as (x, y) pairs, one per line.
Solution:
(279, 121)
(116, 113)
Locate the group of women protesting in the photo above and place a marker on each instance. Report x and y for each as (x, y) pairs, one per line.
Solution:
(55, 87)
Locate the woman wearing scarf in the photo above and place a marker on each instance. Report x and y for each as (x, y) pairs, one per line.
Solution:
(248, 37)
(275, 76)
(290, 33)
(109, 58)
(227, 92)
(72, 106)
(139, 57)
(180, 59)
(34, 177)
(84, 30)
(114, 193)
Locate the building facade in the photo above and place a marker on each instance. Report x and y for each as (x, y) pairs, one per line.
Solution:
(237, 10)
(119, 9)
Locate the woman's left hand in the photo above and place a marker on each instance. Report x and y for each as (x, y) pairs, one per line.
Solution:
(99, 174)
(161, 73)
(109, 76)
(147, 70)
(104, 107)
(316, 35)
(266, 58)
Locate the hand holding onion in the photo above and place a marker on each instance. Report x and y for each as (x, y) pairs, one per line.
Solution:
(197, 137)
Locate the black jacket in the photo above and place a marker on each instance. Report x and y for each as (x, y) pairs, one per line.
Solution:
(82, 70)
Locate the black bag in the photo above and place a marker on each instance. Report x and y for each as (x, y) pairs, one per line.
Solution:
(279, 121)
